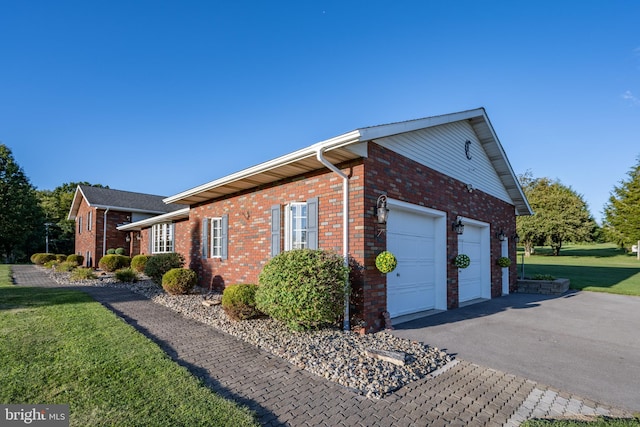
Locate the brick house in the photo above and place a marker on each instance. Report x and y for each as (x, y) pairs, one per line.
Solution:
(445, 182)
(99, 211)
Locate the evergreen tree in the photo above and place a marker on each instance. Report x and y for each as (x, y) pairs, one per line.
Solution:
(21, 218)
(622, 212)
(560, 215)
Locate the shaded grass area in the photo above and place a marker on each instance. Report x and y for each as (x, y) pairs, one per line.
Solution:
(598, 267)
(599, 422)
(60, 346)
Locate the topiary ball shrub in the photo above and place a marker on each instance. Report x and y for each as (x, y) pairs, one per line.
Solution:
(79, 259)
(138, 262)
(110, 263)
(120, 251)
(179, 281)
(239, 301)
(462, 261)
(111, 251)
(127, 275)
(61, 257)
(504, 261)
(158, 265)
(304, 288)
(386, 262)
(41, 259)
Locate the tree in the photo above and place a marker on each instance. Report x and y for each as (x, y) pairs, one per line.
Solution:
(560, 215)
(21, 218)
(622, 212)
(56, 205)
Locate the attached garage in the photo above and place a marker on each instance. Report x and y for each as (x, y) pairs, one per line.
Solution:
(417, 237)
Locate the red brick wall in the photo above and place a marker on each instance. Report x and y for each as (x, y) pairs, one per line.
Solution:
(403, 179)
(85, 240)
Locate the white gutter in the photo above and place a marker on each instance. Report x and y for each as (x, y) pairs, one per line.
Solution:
(345, 229)
(104, 233)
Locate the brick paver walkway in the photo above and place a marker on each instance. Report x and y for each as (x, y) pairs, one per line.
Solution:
(282, 394)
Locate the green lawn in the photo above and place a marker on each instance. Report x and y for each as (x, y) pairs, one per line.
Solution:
(597, 267)
(60, 346)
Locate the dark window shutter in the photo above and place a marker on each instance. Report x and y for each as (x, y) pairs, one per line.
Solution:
(205, 237)
(225, 236)
(151, 234)
(312, 223)
(275, 230)
(173, 237)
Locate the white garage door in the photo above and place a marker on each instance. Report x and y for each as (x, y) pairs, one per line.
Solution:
(413, 286)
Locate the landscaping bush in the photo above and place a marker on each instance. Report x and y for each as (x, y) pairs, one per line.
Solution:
(138, 262)
(158, 265)
(239, 301)
(82, 273)
(41, 259)
(120, 251)
(111, 251)
(303, 287)
(33, 257)
(179, 281)
(65, 266)
(114, 262)
(61, 257)
(79, 259)
(50, 264)
(128, 275)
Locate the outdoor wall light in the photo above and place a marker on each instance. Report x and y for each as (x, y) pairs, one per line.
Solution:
(139, 236)
(458, 226)
(470, 188)
(127, 239)
(501, 236)
(382, 212)
(516, 238)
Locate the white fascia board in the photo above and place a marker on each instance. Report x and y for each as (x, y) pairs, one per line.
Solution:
(124, 209)
(383, 131)
(75, 204)
(329, 144)
(154, 220)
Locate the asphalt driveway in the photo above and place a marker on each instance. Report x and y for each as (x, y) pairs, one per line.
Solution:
(587, 343)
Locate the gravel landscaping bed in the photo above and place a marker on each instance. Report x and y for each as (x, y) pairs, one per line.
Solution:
(343, 357)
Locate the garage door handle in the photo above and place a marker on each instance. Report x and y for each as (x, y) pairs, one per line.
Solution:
(397, 274)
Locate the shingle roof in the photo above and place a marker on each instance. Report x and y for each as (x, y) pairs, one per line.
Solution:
(120, 200)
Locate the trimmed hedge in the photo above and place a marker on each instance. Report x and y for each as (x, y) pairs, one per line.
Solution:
(79, 259)
(304, 288)
(160, 264)
(42, 258)
(138, 262)
(179, 281)
(128, 275)
(239, 301)
(112, 263)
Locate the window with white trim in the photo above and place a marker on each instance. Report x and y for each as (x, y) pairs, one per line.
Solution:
(89, 220)
(162, 238)
(295, 226)
(216, 237)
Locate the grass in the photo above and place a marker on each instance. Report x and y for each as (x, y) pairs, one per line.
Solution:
(596, 267)
(61, 346)
(599, 422)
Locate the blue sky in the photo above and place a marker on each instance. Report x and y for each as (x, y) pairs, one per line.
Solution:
(159, 97)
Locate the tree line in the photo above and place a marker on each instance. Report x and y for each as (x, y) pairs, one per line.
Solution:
(30, 217)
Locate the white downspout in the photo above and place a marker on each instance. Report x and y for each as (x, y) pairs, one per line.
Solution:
(345, 229)
(104, 233)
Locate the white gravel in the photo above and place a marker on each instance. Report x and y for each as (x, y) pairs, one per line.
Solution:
(330, 353)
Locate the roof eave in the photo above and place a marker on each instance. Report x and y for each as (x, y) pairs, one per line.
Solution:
(171, 216)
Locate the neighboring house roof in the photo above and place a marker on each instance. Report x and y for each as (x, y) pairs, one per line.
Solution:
(119, 200)
(352, 145)
(171, 216)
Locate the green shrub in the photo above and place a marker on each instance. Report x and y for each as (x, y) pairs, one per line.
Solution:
(138, 262)
(179, 281)
(50, 264)
(504, 261)
(114, 262)
(66, 266)
(386, 262)
(120, 251)
(79, 259)
(33, 257)
(61, 257)
(128, 275)
(41, 259)
(543, 277)
(82, 273)
(111, 251)
(158, 265)
(304, 288)
(239, 301)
